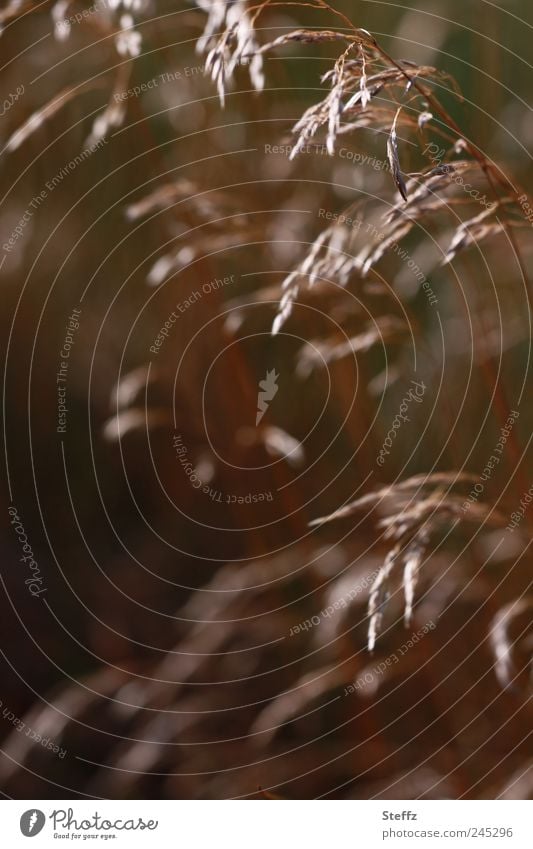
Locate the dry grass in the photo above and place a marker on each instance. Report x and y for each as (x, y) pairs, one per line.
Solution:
(228, 696)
